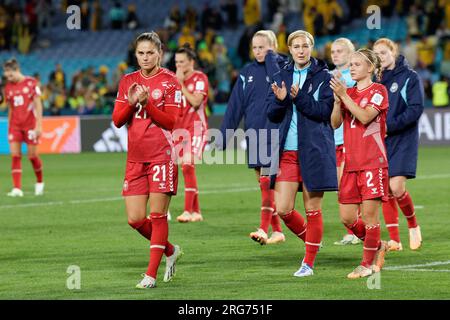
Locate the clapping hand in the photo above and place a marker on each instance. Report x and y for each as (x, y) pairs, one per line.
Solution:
(338, 87)
(280, 93)
(294, 90)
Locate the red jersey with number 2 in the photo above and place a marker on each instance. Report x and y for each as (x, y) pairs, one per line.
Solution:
(20, 98)
(364, 144)
(148, 142)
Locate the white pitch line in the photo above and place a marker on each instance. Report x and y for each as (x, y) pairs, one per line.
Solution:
(413, 266)
(82, 201)
(433, 176)
(420, 270)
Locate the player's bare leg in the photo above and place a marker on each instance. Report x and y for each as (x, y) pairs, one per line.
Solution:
(16, 169)
(37, 167)
(397, 186)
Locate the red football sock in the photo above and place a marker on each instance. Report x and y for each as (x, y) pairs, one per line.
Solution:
(16, 171)
(295, 222)
(266, 203)
(275, 222)
(390, 213)
(314, 233)
(158, 242)
(190, 186)
(196, 205)
(349, 231)
(358, 228)
(37, 167)
(371, 244)
(144, 227)
(405, 203)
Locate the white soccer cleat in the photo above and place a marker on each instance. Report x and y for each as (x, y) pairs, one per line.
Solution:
(259, 236)
(171, 263)
(147, 282)
(39, 189)
(184, 217)
(276, 237)
(394, 245)
(415, 238)
(195, 216)
(15, 192)
(348, 239)
(304, 271)
(360, 272)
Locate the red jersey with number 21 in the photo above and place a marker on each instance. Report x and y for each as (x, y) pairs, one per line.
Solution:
(148, 142)
(20, 98)
(364, 144)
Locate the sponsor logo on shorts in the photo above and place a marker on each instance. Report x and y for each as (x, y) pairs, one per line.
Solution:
(374, 190)
(162, 185)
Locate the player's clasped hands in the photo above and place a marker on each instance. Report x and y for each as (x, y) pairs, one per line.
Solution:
(338, 87)
(138, 93)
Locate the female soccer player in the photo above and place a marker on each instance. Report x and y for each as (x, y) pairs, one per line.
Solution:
(364, 182)
(149, 102)
(248, 100)
(194, 85)
(23, 96)
(307, 156)
(406, 100)
(341, 49)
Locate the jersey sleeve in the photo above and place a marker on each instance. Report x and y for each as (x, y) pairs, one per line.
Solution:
(35, 89)
(379, 99)
(173, 94)
(201, 85)
(122, 110)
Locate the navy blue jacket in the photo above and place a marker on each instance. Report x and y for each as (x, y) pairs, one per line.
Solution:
(248, 100)
(406, 100)
(314, 104)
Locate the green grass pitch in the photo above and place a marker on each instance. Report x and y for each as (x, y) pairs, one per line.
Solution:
(81, 221)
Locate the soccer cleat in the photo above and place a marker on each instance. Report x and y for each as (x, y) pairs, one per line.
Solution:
(378, 260)
(394, 246)
(184, 217)
(171, 263)
(147, 282)
(304, 271)
(39, 189)
(196, 217)
(259, 236)
(360, 272)
(348, 239)
(415, 238)
(15, 192)
(276, 237)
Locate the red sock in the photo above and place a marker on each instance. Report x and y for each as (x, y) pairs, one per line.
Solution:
(144, 227)
(190, 186)
(314, 233)
(349, 231)
(390, 214)
(358, 228)
(371, 244)
(158, 242)
(37, 167)
(405, 203)
(275, 222)
(295, 222)
(266, 203)
(16, 171)
(196, 205)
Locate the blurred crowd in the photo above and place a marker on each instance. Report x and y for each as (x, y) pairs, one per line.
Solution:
(93, 90)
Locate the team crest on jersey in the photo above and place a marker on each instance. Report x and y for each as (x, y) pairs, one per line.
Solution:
(156, 94)
(25, 90)
(190, 87)
(394, 87)
(364, 102)
(125, 185)
(377, 99)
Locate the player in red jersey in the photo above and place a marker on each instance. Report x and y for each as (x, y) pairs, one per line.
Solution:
(364, 183)
(23, 96)
(149, 102)
(194, 85)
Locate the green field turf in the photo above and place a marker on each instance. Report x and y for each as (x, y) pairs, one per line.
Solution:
(81, 221)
